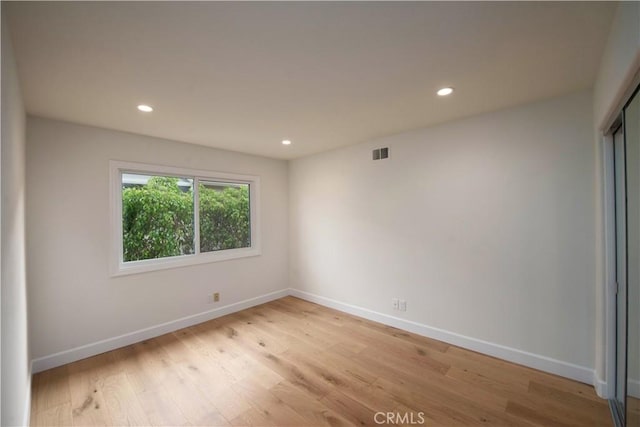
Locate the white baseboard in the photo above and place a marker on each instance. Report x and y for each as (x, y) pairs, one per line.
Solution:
(601, 387)
(88, 350)
(536, 361)
(633, 388)
(543, 363)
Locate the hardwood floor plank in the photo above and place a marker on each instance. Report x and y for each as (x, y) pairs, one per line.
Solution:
(316, 334)
(633, 411)
(574, 387)
(59, 415)
(538, 417)
(357, 413)
(299, 376)
(588, 410)
(312, 411)
(274, 410)
(445, 403)
(498, 384)
(227, 353)
(53, 389)
(279, 325)
(99, 366)
(411, 417)
(122, 402)
(352, 387)
(346, 365)
(290, 362)
(160, 409)
(197, 409)
(87, 399)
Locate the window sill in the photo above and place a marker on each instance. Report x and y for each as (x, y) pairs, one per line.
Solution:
(149, 265)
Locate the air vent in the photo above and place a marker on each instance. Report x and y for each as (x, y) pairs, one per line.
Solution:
(381, 153)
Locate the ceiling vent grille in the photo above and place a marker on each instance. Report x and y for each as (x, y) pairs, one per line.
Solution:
(381, 153)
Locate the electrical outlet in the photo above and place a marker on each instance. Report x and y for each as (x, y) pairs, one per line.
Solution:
(395, 303)
(403, 305)
(216, 297)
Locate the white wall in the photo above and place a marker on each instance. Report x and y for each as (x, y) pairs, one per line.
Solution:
(620, 63)
(485, 226)
(73, 300)
(15, 372)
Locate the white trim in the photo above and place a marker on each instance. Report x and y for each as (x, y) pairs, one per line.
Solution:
(26, 418)
(196, 215)
(117, 266)
(536, 361)
(628, 85)
(600, 386)
(609, 267)
(633, 388)
(145, 266)
(88, 350)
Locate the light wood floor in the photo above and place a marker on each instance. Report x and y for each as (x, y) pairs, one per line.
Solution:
(293, 363)
(633, 412)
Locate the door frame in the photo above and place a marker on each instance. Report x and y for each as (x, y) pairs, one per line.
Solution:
(609, 219)
(630, 85)
(611, 285)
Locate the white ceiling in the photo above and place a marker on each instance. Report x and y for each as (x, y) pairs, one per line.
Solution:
(243, 76)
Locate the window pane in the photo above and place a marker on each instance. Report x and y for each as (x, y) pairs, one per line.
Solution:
(224, 216)
(157, 216)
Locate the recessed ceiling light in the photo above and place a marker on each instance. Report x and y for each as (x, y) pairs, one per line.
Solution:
(445, 91)
(145, 108)
(286, 142)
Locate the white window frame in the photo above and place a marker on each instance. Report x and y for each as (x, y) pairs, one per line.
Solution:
(120, 268)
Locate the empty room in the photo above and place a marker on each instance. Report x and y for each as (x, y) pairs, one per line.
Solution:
(320, 213)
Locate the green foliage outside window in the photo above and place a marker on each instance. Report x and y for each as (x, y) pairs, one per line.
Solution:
(224, 218)
(157, 219)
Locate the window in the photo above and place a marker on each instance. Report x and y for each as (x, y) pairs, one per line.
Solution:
(167, 217)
